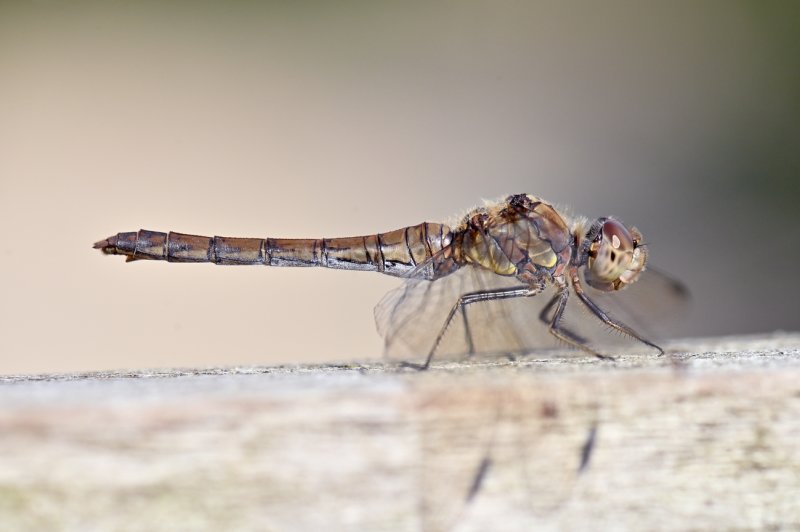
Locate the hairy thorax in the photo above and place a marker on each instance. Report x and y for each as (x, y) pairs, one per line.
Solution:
(524, 237)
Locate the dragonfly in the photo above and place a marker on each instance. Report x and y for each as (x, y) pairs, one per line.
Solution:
(467, 286)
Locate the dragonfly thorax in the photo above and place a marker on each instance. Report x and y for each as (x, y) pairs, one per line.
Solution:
(523, 236)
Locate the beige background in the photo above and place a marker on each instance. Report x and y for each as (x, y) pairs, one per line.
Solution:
(309, 119)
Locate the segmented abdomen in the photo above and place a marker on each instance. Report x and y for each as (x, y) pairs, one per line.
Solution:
(393, 253)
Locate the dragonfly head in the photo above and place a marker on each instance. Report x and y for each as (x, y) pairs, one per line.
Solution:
(616, 255)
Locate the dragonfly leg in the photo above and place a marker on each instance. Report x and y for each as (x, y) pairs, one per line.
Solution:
(560, 302)
(468, 299)
(605, 318)
(468, 332)
(546, 319)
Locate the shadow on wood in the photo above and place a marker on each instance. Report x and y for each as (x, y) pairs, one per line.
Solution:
(549, 443)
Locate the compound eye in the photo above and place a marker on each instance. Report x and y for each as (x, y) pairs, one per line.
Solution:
(618, 237)
(616, 257)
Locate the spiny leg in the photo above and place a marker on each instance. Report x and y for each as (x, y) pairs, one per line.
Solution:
(543, 316)
(468, 299)
(605, 318)
(560, 300)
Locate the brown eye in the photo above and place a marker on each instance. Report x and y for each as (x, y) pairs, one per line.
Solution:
(616, 256)
(618, 237)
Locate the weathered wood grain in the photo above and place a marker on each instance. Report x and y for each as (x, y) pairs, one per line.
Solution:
(493, 444)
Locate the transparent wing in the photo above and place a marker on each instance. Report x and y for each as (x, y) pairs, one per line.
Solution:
(411, 316)
(655, 305)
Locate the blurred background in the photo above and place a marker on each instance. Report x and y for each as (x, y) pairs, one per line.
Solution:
(311, 119)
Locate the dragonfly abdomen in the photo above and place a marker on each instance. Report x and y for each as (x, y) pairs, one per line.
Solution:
(393, 253)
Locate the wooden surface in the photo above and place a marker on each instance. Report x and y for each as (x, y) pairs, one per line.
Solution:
(710, 443)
